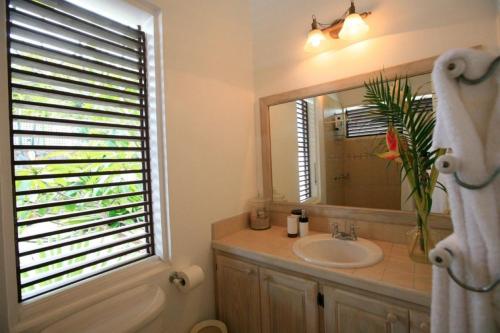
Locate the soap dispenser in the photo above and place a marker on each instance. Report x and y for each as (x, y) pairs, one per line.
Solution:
(303, 224)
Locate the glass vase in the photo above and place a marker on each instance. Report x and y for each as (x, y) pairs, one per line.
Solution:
(419, 242)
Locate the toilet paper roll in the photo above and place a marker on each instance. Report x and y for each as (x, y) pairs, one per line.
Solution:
(189, 278)
(440, 257)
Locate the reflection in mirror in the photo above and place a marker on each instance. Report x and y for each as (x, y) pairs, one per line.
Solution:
(324, 150)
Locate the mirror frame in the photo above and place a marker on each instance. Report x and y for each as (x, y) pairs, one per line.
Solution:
(410, 69)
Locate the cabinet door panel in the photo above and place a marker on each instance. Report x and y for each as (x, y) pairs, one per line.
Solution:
(420, 322)
(347, 312)
(288, 303)
(238, 295)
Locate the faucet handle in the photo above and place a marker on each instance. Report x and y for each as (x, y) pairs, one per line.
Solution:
(334, 228)
(353, 228)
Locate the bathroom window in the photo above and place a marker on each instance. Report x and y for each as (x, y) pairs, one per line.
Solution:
(80, 146)
(303, 152)
(361, 121)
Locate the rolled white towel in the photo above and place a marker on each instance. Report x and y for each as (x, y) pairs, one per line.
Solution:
(444, 252)
(449, 306)
(447, 164)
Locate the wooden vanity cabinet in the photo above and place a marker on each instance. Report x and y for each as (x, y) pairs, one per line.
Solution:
(288, 303)
(420, 322)
(252, 298)
(346, 312)
(238, 293)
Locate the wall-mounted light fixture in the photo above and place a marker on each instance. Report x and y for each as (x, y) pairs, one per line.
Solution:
(350, 27)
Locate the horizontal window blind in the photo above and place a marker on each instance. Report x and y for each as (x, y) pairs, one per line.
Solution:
(361, 120)
(303, 150)
(80, 144)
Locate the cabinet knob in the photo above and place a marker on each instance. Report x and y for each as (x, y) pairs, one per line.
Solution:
(424, 326)
(391, 318)
(248, 271)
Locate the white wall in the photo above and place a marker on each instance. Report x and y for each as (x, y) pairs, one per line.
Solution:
(283, 123)
(210, 134)
(404, 30)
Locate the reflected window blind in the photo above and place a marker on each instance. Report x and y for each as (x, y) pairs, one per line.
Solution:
(361, 120)
(80, 144)
(303, 150)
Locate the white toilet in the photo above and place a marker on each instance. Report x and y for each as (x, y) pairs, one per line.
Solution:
(209, 326)
(136, 310)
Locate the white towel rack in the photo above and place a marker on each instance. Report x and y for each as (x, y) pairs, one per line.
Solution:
(464, 285)
(491, 69)
(447, 164)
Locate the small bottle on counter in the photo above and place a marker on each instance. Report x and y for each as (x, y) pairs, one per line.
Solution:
(303, 224)
(292, 224)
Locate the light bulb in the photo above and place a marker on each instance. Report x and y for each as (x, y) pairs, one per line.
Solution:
(353, 28)
(315, 38)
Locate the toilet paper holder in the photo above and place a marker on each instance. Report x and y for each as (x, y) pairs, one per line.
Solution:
(187, 279)
(462, 284)
(176, 278)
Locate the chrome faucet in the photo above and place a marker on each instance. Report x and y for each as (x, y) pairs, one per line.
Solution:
(352, 236)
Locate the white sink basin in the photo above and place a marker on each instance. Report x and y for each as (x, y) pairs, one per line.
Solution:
(326, 251)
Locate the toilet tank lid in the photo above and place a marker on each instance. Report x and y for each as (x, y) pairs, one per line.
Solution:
(124, 312)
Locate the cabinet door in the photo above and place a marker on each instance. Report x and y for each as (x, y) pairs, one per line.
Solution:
(420, 322)
(347, 312)
(288, 303)
(238, 295)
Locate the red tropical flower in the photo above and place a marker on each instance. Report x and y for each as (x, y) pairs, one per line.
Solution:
(391, 140)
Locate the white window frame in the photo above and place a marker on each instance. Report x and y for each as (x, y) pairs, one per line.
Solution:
(39, 312)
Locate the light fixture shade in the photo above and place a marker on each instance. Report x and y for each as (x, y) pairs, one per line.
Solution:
(315, 38)
(353, 28)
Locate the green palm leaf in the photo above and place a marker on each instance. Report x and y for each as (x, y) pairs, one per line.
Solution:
(394, 103)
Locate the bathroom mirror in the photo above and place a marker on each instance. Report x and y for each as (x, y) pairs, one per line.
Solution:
(322, 148)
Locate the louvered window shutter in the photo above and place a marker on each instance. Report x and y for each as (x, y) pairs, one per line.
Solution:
(80, 144)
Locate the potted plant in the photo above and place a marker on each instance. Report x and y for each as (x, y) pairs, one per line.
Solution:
(409, 142)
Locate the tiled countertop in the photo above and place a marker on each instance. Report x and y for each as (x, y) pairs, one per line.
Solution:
(395, 276)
